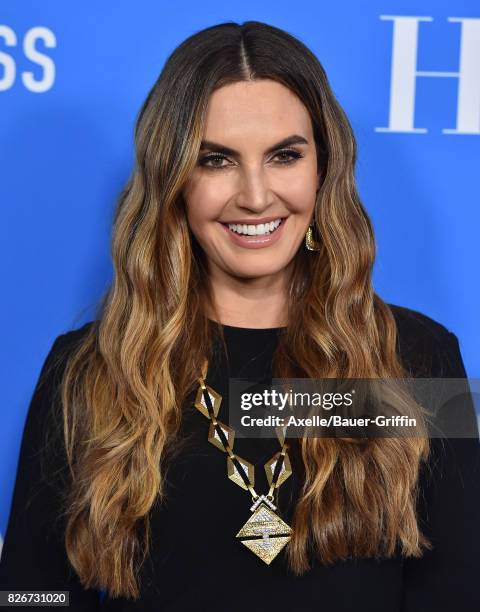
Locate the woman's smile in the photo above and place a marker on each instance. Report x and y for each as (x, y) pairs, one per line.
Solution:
(256, 236)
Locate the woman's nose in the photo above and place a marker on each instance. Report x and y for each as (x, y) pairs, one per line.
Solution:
(254, 190)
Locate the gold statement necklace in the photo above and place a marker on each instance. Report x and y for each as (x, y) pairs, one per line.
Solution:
(265, 533)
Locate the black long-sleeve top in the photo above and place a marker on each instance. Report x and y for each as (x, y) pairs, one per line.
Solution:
(195, 560)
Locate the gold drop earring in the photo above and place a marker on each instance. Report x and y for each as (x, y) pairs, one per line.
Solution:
(310, 243)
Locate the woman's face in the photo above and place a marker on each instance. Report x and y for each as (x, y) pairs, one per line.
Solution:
(248, 175)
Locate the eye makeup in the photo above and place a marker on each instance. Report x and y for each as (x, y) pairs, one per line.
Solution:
(294, 155)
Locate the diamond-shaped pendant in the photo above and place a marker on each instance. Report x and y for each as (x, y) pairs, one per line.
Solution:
(266, 533)
(234, 474)
(215, 399)
(215, 439)
(285, 470)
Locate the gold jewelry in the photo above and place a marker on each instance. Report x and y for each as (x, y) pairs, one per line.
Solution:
(265, 533)
(310, 242)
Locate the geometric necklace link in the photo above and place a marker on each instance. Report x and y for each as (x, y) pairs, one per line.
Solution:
(265, 533)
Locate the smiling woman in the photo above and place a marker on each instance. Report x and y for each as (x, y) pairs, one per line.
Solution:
(251, 198)
(241, 249)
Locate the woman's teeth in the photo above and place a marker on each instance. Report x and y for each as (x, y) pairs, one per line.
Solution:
(262, 229)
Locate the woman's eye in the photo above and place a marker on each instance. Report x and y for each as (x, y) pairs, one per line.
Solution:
(213, 158)
(291, 154)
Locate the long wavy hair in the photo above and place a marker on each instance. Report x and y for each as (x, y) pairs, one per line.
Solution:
(124, 385)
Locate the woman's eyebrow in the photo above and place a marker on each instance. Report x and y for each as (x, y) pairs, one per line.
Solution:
(290, 140)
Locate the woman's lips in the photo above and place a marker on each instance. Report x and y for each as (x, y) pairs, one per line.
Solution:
(255, 242)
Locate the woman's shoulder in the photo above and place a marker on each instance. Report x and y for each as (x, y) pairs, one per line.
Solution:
(62, 347)
(416, 323)
(73, 336)
(65, 342)
(427, 347)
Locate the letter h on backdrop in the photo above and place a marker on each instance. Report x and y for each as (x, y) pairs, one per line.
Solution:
(404, 74)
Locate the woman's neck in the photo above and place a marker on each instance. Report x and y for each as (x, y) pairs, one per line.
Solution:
(253, 303)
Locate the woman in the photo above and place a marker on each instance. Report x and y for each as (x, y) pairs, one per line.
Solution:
(240, 223)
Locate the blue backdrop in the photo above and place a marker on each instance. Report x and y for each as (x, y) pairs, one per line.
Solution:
(73, 76)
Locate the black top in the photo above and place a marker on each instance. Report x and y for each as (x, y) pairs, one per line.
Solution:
(197, 563)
